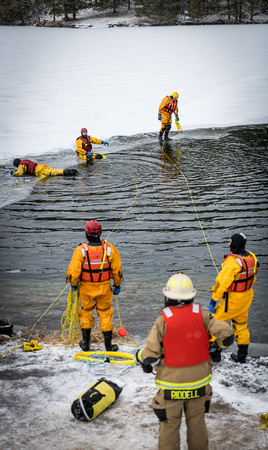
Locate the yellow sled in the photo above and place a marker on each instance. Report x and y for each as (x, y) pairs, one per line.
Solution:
(105, 356)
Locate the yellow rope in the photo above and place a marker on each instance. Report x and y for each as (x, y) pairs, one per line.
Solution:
(117, 305)
(193, 206)
(70, 321)
(16, 187)
(137, 190)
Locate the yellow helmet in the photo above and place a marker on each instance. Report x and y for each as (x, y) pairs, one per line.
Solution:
(179, 287)
(175, 94)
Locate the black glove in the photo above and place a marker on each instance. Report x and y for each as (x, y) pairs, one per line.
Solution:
(147, 368)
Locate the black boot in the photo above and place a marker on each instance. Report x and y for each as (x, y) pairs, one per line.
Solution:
(160, 136)
(70, 172)
(241, 354)
(85, 343)
(108, 341)
(166, 136)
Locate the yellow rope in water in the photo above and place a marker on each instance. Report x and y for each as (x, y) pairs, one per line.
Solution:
(16, 187)
(119, 317)
(137, 190)
(70, 321)
(200, 224)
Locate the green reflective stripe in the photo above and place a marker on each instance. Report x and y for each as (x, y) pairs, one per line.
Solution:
(193, 385)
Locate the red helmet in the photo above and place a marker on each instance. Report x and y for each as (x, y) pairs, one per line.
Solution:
(83, 130)
(93, 227)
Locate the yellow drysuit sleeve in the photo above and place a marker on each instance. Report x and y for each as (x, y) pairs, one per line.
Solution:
(20, 171)
(230, 271)
(115, 264)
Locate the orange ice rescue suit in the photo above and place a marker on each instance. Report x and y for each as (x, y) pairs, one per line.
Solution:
(233, 289)
(93, 267)
(168, 106)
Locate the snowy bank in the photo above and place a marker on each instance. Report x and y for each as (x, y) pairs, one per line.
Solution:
(39, 387)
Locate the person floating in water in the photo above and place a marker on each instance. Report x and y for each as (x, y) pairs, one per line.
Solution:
(84, 146)
(28, 167)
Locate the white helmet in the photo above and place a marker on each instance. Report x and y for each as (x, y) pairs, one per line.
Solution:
(179, 287)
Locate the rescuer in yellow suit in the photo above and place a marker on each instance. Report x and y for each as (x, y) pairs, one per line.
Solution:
(28, 167)
(233, 289)
(168, 106)
(84, 145)
(92, 266)
(179, 341)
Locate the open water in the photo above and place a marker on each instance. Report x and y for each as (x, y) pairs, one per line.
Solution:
(146, 210)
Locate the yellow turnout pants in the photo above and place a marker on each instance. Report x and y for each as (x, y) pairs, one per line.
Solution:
(165, 122)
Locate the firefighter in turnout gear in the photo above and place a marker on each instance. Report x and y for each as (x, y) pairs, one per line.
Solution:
(84, 146)
(234, 290)
(92, 266)
(168, 106)
(27, 167)
(179, 341)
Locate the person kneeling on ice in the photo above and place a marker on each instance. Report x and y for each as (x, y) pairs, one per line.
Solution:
(234, 290)
(179, 339)
(93, 264)
(27, 167)
(84, 146)
(168, 106)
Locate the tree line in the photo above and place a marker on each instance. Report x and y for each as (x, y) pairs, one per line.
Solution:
(159, 11)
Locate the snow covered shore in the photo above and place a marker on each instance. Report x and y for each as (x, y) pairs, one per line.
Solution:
(38, 388)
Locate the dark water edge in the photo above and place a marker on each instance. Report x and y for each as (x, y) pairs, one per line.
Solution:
(226, 171)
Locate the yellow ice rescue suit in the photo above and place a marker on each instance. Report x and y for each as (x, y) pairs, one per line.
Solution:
(84, 145)
(167, 106)
(93, 267)
(27, 167)
(233, 288)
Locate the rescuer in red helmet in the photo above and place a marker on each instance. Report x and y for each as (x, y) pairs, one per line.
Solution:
(84, 146)
(92, 266)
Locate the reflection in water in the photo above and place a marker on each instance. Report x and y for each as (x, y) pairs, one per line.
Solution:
(227, 173)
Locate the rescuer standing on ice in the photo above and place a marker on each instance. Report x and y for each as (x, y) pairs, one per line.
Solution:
(168, 106)
(179, 339)
(92, 266)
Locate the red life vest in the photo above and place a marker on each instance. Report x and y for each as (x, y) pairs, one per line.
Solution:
(30, 165)
(96, 267)
(172, 104)
(86, 142)
(186, 342)
(247, 275)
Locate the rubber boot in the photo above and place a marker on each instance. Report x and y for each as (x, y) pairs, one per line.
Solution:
(160, 136)
(241, 354)
(216, 354)
(166, 136)
(85, 343)
(108, 341)
(70, 172)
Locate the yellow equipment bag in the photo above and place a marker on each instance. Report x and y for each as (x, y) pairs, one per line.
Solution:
(95, 400)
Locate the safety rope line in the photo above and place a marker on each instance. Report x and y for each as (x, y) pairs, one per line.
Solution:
(16, 187)
(70, 320)
(199, 221)
(137, 190)
(70, 324)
